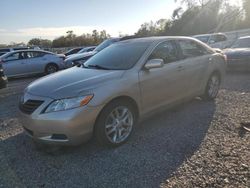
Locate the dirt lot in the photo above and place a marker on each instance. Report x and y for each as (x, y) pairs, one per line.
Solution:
(198, 144)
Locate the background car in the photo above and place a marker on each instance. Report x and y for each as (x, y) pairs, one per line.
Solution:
(238, 56)
(6, 50)
(108, 94)
(215, 40)
(77, 59)
(73, 51)
(84, 50)
(3, 78)
(28, 62)
(87, 49)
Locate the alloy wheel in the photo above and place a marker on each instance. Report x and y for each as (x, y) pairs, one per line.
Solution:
(119, 124)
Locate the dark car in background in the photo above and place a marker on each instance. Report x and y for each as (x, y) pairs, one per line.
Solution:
(238, 56)
(73, 51)
(82, 57)
(3, 78)
(86, 49)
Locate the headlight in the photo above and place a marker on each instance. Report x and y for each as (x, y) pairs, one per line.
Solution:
(66, 104)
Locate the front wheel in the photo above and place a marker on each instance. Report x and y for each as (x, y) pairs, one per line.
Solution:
(51, 68)
(212, 88)
(115, 124)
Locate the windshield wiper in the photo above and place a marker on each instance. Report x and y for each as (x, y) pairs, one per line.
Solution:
(97, 67)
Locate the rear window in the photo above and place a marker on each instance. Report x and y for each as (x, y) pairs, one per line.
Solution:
(191, 49)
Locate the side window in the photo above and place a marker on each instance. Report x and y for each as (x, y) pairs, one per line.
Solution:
(190, 49)
(89, 50)
(13, 57)
(220, 38)
(166, 51)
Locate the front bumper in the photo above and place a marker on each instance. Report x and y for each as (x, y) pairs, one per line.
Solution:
(70, 127)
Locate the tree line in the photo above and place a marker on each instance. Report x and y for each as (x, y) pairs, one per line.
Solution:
(198, 17)
(71, 39)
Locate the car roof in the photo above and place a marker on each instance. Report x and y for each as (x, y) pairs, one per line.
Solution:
(212, 34)
(157, 39)
(32, 50)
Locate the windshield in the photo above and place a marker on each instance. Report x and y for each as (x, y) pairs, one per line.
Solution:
(120, 56)
(105, 44)
(242, 43)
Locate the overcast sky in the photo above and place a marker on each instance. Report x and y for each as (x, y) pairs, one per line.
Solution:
(22, 20)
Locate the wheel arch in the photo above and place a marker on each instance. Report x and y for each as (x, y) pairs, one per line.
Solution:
(126, 98)
(51, 63)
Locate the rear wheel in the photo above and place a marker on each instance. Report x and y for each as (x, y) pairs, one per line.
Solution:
(212, 88)
(51, 68)
(115, 123)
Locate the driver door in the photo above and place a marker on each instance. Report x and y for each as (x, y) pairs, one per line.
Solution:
(161, 86)
(15, 64)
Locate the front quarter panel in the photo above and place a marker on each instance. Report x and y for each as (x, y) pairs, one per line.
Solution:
(127, 85)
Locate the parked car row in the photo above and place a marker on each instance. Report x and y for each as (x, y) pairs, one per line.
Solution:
(107, 95)
(28, 62)
(80, 58)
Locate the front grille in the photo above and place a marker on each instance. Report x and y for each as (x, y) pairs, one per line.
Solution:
(30, 106)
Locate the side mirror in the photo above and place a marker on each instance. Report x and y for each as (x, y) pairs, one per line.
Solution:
(154, 63)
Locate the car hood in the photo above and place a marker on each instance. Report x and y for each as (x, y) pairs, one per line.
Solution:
(79, 56)
(72, 82)
(237, 52)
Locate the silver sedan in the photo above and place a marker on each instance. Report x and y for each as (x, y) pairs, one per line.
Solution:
(29, 62)
(112, 90)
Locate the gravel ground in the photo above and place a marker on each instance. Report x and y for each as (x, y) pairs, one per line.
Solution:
(198, 144)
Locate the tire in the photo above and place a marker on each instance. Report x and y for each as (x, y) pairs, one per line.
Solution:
(51, 68)
(212, 87)
(117, 118)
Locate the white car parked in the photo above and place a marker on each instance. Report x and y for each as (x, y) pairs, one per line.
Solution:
(29, 62)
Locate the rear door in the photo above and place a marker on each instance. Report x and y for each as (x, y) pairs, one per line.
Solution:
(36, 61)
(196, 59)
